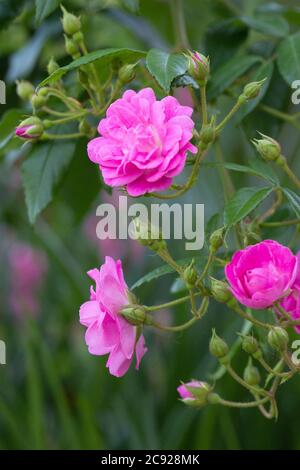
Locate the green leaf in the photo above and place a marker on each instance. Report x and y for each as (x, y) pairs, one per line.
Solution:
(41, 173)
(44, 8)
(293, 199)
(288, 59)
(131, 5)
(243, 202)
(291, 12)
(261, 167)
(223, 39)
(184, 81)
(159, 272)
(81, 174)
(102, 56)
(270, 25)
(225, 75)
(264, 71)
(165, 67)
(261, 171)
(8, 124)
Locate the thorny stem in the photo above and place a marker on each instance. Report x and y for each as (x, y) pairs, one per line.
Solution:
(291, 174)
(253, 320)
(207, 266)
(172, 303)
(269, 369)
(242, 382)
(273, 208)
(192, 178)
(203, 104)
(240, 404)
(181, 37)
(282, 223)
(96, 87)
(71, 103)
(240, 101)
(75, 135)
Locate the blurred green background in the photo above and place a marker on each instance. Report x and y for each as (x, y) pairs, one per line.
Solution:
(53, 394)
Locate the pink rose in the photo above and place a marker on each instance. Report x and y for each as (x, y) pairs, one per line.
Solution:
(261, 274)
(107, 331)
(291, 303)
(143, 143)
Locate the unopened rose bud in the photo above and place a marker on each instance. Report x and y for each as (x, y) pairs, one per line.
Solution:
(71, 48)
(198, 66)
(250, 345)
(71, 23)
(190, 275)
(268, 148)
(25, 90)
(39, 99)
(208, 134)
(31, 128)
(127, 73)
(78, 37)
(85, 128)
(252, 90)
(251, 374)
(278, 338)
(147, 235)
(216, 240)
(52, 66)
(217, 346)
(134, 314)
(194, 393)
(220, 291)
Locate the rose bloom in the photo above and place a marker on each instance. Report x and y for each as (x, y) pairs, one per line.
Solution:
(261, 274)
(144, 142)
(107, 331)
(291, 303)
(27, 268)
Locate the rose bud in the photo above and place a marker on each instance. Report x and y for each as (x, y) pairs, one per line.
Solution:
(194, 393)
(278, 338)
(198, 66)
(25, 90)
(268, 148)
(217, 346)
(31, 128)
(71, 23)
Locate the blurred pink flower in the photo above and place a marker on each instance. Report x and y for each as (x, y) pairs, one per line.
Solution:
(261, 274)
(107, 331)
(143, 143)
(291, 303)
(129, 249)
(27, 268)
(183, 95)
